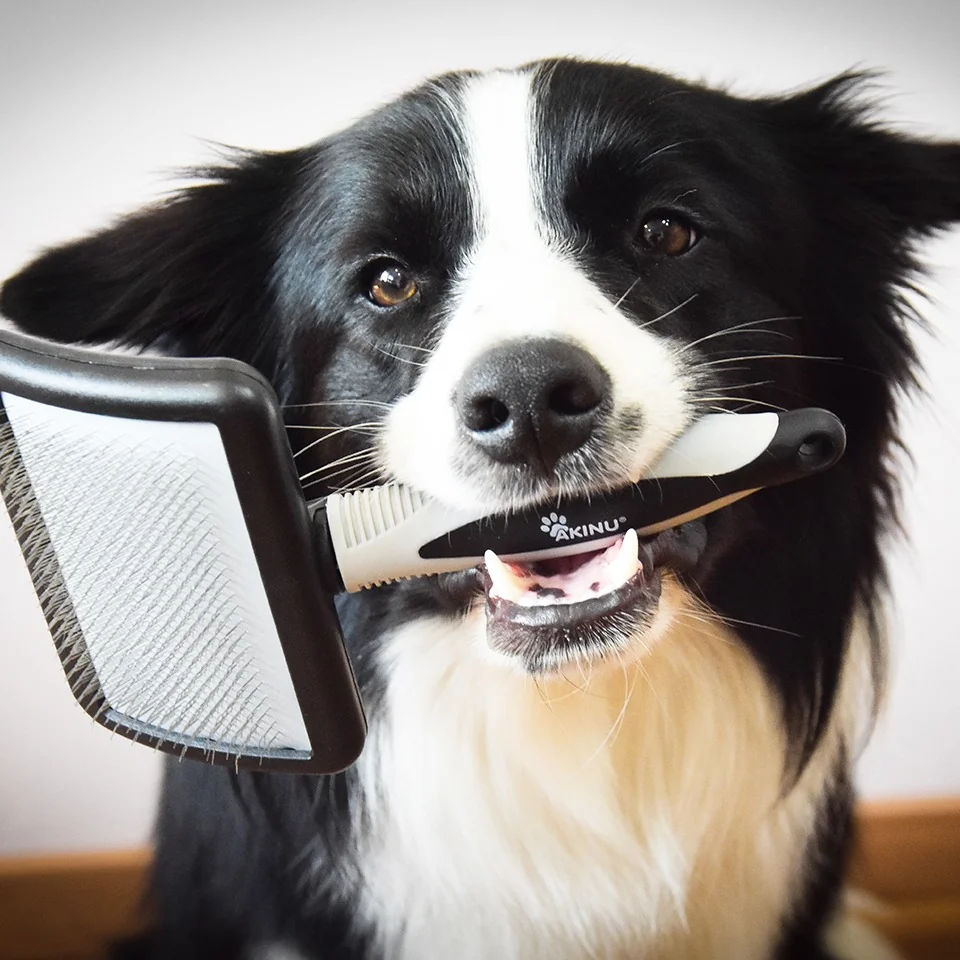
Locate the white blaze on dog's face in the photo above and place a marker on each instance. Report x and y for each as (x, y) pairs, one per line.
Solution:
(520, 282)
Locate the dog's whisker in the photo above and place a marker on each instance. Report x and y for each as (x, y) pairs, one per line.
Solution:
(543, 697)
(370, 426)
(397, 357)
(361, 481)
(645, 647)
(586, 678)
(748, 326)
(342, 467)
(559, 698)
(627, 293)
(340, 486)
(747, 400)
(393, 356)
(762, 356)
(745, 386)
(698, 618)
(713, 386)
(359, 427)
(363, 460)
(353, 401)
(712, 617)
(550, 701)
(617, 724)
(575, 686)
(669, 313)
(672, 146)
(336, 466)
(410, 346)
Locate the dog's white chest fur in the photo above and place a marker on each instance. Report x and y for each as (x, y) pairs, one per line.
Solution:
(631, 812)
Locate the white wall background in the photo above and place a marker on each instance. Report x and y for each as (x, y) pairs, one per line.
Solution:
(100, 101)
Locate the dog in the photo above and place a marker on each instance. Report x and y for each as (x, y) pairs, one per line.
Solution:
(499, 288)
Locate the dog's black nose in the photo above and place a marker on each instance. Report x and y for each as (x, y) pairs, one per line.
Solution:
(532, 401)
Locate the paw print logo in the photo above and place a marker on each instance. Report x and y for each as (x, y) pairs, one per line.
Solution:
(553, 524)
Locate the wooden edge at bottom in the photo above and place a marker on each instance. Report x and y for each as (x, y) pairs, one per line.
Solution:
(921, 930)
(908, 849)
(70, 905)
(907, 859)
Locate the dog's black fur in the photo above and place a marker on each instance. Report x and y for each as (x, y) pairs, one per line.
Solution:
(809, 211)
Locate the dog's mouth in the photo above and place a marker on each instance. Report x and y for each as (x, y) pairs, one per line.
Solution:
(564, 591)
(583, 605)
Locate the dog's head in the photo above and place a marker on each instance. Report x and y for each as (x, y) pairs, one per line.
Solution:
(504, 287)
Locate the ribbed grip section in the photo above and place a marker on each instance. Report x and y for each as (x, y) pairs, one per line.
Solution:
(368, 514)
(376, 534)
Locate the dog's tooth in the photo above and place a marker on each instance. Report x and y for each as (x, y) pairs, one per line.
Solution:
(627, 562)
(495, 567)
(503, 582)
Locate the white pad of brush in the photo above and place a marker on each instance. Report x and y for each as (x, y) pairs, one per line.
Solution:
(156, 561)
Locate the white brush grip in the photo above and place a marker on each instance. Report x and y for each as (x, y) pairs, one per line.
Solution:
(716, 444)
(377, 532)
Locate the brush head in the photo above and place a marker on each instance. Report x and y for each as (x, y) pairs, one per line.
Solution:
(159, 513)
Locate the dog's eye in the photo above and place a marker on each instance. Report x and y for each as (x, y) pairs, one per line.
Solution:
(391, 284)
(667, 234)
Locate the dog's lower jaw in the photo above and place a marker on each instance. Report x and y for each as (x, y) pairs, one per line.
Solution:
(545, 650)
(614, 622)
(634, 810)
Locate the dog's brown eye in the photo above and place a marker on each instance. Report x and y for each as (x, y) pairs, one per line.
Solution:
(392, 284)
(667, 234)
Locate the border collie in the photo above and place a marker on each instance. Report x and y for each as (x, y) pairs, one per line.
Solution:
(501, 287)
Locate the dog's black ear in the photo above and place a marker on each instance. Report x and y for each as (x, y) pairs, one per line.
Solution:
(193, 271)
(878, 178)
